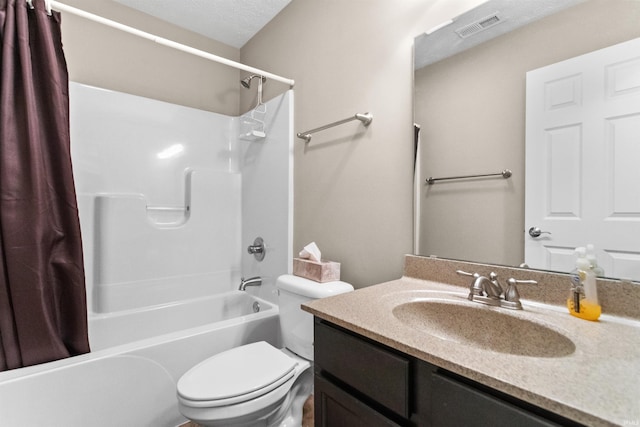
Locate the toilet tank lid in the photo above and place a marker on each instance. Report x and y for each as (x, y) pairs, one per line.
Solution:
(311, 289)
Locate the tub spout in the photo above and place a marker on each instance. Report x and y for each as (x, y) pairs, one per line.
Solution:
(253, 281)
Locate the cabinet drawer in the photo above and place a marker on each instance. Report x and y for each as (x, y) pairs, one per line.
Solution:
(456, 404)
(380, 375)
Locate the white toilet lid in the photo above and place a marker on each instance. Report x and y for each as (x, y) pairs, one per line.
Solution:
(239, 374)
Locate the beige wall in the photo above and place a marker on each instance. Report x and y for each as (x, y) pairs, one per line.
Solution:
(472, 109)
(353, 186)
(101, 56)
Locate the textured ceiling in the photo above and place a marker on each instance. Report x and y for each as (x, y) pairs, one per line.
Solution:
(445, 42)
(232, 22)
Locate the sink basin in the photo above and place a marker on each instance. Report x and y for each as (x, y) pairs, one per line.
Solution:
(484, 328)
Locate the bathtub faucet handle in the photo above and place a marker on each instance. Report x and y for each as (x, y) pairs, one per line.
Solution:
(257, 249)
(253, 281)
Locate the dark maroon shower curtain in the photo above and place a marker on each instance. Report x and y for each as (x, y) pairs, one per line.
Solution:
(42, 293)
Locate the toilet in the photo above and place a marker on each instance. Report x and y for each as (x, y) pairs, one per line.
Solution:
(257, 384)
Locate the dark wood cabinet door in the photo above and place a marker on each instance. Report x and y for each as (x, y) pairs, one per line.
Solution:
(454, 404)
(336, 408)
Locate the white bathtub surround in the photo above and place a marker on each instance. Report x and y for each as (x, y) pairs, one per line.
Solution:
(267, 197)
(170, 192)
(169, 198)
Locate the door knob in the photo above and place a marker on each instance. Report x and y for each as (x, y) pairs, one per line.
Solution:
(536, 232)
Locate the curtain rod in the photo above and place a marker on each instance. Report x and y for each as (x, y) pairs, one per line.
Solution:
(166, 42)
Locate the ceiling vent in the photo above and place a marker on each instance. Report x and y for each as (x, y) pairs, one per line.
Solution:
(479, 25)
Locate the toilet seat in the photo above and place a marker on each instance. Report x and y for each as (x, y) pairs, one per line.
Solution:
(238, 375)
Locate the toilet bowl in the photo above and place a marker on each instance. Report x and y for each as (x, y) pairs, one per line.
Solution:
(258, 384)
(242, 386)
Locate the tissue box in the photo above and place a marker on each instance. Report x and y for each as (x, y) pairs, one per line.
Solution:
(325, 271)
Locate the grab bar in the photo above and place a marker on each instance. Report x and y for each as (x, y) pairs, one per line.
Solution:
(505, 174)
(365, 118)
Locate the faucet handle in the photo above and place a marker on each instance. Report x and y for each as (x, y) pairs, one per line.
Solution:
(257, 249)
(464, 273)
(512, 296)
(513, 282)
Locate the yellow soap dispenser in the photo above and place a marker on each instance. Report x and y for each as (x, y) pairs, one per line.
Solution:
(591, 257)
(583, 298)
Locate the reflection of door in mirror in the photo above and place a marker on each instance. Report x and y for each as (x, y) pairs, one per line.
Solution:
(471, 109)
(582, 155)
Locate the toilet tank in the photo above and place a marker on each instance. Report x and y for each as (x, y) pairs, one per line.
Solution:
(296, 326)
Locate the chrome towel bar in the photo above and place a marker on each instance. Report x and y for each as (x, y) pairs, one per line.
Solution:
(505, 174)
(365, 118)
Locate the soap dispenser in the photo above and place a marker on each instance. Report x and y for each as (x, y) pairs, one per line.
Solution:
(583, 297)
(591, 257)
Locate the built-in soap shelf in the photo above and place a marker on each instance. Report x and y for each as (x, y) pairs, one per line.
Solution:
(134, 207)
(168, 216)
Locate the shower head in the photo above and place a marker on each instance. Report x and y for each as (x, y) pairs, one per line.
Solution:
(246, 82)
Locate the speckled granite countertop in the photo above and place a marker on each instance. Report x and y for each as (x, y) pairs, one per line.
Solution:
(597, 385)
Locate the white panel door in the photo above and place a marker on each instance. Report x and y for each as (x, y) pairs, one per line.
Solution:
(583, 160)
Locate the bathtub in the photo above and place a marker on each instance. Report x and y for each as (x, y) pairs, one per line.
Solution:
(129, 378)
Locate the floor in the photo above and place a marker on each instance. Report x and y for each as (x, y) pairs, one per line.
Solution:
(307, 415)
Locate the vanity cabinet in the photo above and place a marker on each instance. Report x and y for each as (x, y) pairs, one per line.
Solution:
(359, 382)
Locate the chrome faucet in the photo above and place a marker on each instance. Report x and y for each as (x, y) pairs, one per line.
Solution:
(483, 289)
(487, 290)
(489, 287)
(253, 281)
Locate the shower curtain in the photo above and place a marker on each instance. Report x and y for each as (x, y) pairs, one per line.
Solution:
(42, 291)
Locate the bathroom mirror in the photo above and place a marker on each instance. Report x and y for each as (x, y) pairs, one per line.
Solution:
(469, 103)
